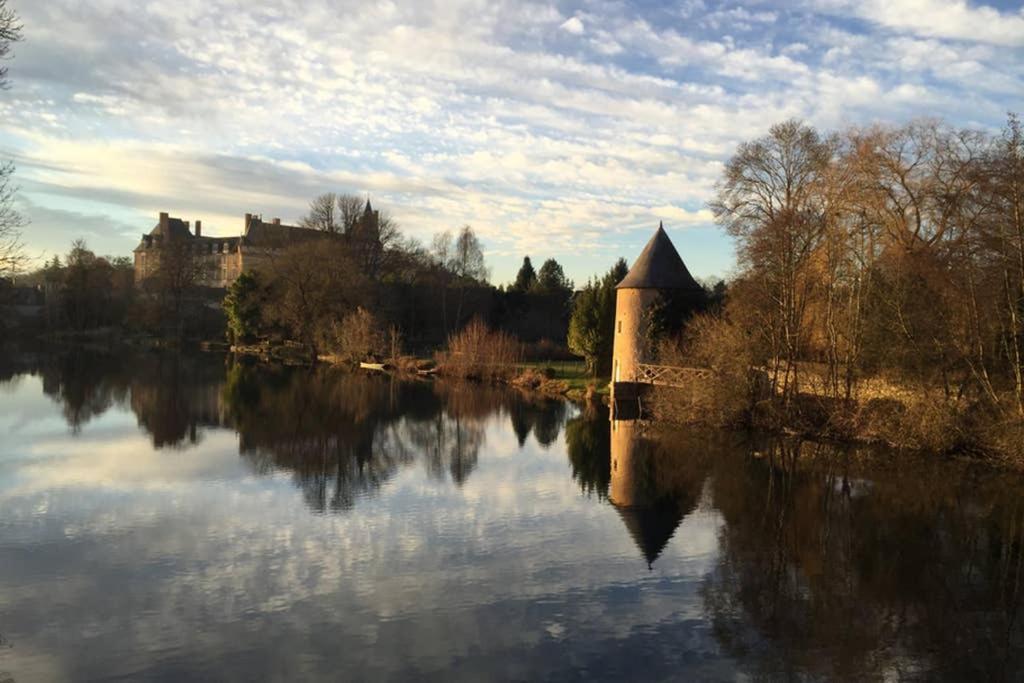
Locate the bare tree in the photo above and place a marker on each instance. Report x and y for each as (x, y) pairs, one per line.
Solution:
(350, 210)
(10, 32)
(467, 259)
(323, 214)
(180, 270)
(312, 286)
(12, 253)
(1006, 233)
(770, 201)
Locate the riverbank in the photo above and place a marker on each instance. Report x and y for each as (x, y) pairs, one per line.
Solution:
(897, 415)
(557, 378)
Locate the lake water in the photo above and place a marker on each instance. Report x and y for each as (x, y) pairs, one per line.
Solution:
(167, 517)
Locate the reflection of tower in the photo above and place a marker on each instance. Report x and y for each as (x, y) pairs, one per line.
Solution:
(650, 518)
(658, 272)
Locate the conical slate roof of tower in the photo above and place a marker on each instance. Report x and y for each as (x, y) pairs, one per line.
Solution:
(659, 267)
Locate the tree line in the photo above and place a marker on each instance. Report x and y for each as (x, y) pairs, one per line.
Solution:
(874, 263)
(331, 297)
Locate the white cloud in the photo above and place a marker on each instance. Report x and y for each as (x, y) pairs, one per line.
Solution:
(453, 112)
(939, 18)
(573, 25)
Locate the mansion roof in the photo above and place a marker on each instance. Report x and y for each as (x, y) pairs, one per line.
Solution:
(256, 233)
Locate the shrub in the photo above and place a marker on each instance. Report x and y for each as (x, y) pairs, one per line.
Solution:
(358, 337)
(478, 351)
(731, 394)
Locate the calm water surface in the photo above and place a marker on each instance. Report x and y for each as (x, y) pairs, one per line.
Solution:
(169, 517)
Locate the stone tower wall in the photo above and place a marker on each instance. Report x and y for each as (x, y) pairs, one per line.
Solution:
(629, 348)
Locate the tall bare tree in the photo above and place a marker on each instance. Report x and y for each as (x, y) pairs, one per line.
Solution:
(350, 209)
(771, 202)
(1006, 233)
(173, 283)
(12, 252)
(312, 286)
(323, 214)
(10, 32)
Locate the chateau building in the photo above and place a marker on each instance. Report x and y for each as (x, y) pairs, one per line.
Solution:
(220, 260)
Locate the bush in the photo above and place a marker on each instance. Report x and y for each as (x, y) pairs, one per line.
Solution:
(477, 351)
(358, 337)
(733, 392)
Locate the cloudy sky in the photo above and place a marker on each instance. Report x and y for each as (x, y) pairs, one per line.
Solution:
(565, 129)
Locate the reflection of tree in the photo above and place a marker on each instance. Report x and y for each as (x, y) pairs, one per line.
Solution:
(335, 432)
(824, 575)
(548, 424)
(173, 395)
(448, 445)
(543, 416)
(85, 385)
(343, 435)
(588, 448)
(451, 441)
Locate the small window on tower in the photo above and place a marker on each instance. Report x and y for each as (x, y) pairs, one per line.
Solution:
(620, 326)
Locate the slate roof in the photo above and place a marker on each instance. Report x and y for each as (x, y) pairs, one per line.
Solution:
(176, 229)
(659, 267)
(276, 235)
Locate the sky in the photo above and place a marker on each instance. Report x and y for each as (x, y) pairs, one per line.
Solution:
(554, 129)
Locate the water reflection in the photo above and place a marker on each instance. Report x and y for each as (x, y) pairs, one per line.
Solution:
(480, 533)
(651, 488)
(911, 574)
(341, 435)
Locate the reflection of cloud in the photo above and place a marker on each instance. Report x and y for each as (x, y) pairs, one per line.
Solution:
(183, 553)
(118, 462)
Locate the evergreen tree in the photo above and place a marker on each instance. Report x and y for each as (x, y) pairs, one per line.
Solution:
(526, 278)
(242, 308)
(592, 325)
(551, 279)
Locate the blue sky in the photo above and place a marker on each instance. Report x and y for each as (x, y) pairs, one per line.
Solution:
(565, 129)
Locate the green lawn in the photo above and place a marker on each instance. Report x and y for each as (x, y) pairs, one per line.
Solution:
(572, 372)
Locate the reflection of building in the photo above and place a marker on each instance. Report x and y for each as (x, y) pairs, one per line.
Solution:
(654, 484)
(650, 518)
(223, 259)
(658, 275)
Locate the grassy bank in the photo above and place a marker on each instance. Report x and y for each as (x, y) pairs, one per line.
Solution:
(564, 378)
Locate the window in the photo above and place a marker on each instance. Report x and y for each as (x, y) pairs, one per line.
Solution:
(620, 327)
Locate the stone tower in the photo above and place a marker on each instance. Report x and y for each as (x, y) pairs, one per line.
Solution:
(658, 272)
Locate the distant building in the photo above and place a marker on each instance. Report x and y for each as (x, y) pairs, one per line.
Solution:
(225, 258)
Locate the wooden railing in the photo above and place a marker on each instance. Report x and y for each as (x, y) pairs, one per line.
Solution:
(670, 376)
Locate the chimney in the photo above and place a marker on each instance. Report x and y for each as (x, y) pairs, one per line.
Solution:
(248, 220)
(277, 221)
(199, 228)
(165, 222)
